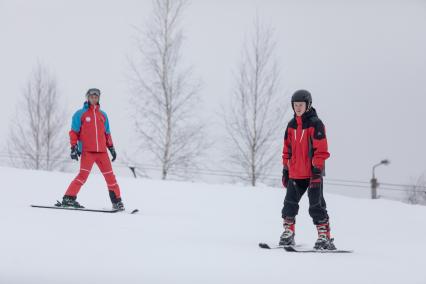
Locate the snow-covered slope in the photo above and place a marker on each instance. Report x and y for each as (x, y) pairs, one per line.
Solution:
(196, 233)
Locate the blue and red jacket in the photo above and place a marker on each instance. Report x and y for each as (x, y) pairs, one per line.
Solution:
(90, 129)
(305, 145)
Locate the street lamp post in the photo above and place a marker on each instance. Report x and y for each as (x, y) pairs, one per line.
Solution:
(374, 183)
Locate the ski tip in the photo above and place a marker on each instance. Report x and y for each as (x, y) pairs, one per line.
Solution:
(264, 246)
(134, 211)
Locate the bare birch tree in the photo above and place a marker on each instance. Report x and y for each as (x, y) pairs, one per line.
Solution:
(255, 118)
(416, 193)
(37, 130)
(164, 92)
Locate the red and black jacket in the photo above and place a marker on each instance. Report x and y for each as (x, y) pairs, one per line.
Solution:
(305, 145)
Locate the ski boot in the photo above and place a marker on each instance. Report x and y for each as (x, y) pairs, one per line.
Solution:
(118, 206)
(324, 241)
(69, 201)
(287, 237)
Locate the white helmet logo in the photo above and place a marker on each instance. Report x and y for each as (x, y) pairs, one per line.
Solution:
(88, 119)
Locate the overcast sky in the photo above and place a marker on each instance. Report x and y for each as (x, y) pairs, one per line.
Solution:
(363, 61)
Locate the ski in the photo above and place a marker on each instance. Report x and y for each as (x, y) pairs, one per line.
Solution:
(298, 249)
(77, 209)
(295, 249)
(267, 246)
(133, 211)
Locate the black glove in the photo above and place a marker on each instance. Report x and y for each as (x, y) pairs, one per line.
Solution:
(285, 177)
(113, 153)
(75, 153)
(316, 178)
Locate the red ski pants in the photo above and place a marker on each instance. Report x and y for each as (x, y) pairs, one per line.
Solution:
(86, 164)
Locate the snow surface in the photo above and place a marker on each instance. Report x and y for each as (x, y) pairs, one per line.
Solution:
(196, 233)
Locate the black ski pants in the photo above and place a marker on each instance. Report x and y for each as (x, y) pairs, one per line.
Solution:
(317, 206)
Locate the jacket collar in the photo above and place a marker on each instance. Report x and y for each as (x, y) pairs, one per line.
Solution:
(306, 116)
(87, 106)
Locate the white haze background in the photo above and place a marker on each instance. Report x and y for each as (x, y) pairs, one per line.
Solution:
(363, 61)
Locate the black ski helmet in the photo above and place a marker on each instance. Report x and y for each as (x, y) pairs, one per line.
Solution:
(93, 91)
(302, 96)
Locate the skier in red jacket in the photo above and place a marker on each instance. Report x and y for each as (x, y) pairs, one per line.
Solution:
(90, 137)
(304, 154)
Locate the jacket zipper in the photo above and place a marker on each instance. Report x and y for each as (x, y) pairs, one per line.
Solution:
(96, 129)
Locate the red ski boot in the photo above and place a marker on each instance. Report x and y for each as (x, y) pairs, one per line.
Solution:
(287, 237)
(324, 241)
